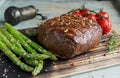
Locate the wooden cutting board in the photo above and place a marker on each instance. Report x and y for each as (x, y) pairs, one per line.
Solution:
(93, 59)
(96, 58)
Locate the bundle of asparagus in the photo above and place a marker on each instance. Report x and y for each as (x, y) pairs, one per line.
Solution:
(13, 44)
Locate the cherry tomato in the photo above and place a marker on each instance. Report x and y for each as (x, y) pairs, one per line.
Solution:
(104, 14)
(98, 17)
(83, 12)
(101, 15)
(77, 13)
(91, 16)
(106, 25)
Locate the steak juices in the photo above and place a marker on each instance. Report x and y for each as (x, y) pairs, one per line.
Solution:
(68, 35)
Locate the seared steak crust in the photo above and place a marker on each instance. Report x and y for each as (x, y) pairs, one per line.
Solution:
(68, 35)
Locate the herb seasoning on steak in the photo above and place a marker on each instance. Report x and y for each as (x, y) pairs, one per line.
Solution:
(68, 35)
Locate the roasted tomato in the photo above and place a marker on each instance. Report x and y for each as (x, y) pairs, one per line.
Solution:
(101, 15)
(104, 14)
(91, 16)
(105, 24)
(77, 13)
(84, 12)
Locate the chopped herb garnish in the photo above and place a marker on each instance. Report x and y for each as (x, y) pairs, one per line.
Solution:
(113, 42)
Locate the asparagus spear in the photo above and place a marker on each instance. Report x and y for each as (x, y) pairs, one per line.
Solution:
(38, 68)
(10, 37)
(31, 62)
(38, 47)
(30, 42)
(14, 32)
(29, 58)
(15, 49)
(18, 50)
(39, 62)
(36, 56)
(14, 59)
(23, 53)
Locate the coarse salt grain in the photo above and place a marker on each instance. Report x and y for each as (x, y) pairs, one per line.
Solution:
(75, 20)
(13, 70)
(83, 23)
(90, 26)
(2, 61)
(84, 19)
(18, 75)
(6, 76)
(86, 55)
(9, 66)
(5, 70)
(52, 23)
(54, 66)
(46, 70)
(72, 63)
(3, 75)
(82, 61)
(90, 21)
(66, 30)
(58, 19)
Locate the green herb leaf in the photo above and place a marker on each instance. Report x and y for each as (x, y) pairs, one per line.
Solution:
(113, 42)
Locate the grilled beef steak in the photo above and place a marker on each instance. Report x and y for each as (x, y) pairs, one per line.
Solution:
(68, 35)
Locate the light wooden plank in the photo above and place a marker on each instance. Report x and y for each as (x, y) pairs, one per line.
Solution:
(94, 59)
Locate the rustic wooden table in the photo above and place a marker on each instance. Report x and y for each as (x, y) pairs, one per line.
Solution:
(53, 8)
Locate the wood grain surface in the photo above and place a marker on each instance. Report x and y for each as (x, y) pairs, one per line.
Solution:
(93, 59)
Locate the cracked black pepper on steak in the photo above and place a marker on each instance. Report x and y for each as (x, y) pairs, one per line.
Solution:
(67, 35)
